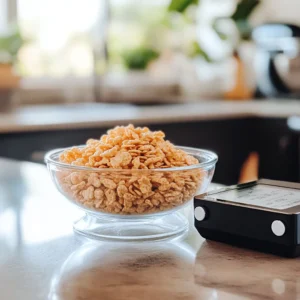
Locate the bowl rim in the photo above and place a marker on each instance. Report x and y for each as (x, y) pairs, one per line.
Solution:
(211, 162)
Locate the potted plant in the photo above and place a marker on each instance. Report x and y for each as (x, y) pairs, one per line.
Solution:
(231, 35)
(10, 44)
(139, 83)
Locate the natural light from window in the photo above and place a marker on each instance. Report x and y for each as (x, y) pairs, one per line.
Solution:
(61, 34)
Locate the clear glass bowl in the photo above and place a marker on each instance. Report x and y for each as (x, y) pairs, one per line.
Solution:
(132, 204)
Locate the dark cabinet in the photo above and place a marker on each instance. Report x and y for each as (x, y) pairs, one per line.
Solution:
(278, 148)
(231, 139)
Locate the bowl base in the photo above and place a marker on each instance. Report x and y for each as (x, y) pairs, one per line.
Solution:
(134, 230)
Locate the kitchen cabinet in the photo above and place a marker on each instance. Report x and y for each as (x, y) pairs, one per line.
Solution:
(278, 149)
(231, 139)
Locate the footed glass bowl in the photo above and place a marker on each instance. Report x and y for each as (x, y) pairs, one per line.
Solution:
(132, 204)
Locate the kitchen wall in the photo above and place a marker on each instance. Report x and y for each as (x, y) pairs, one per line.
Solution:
(277, 11)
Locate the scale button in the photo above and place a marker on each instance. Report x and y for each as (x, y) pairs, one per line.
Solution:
(199, 213)
(278, 228)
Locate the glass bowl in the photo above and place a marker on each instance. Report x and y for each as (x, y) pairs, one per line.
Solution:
(132, 204)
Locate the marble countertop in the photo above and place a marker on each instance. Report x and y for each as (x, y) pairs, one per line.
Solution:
(41, 257)
(94, 115)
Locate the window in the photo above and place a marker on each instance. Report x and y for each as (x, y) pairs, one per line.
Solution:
(61, 35)
(57, 37)
(81, 38)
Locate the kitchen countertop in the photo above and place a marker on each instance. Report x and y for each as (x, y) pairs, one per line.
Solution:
(94, 115)
(41, 258)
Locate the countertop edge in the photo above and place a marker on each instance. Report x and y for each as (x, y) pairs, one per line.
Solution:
(97, 115)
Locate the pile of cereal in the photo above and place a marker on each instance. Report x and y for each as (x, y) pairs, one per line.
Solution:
(130, 190)
(129, 148)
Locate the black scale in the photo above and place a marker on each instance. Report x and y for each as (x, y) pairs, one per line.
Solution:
(262, 215)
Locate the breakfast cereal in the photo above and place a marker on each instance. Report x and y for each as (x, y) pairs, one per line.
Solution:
(130, 172)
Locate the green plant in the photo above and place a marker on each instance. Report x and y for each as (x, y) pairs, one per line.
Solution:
(10, 45)
(139, 58)
(181, 5)
(196, 50)
(240, 17)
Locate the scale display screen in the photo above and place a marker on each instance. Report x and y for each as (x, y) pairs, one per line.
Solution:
(263, 195)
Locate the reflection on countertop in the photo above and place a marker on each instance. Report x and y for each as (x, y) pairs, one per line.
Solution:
(249, 274)
(126, 271)
(97, 115)
(42, 257)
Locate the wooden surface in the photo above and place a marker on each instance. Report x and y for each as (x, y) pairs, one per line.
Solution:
(41, 258)
(92, 115)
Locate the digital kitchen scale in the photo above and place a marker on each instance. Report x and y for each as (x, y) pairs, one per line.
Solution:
(261, 215)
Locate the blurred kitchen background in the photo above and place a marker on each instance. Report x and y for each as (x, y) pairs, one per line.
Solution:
(216, 74)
